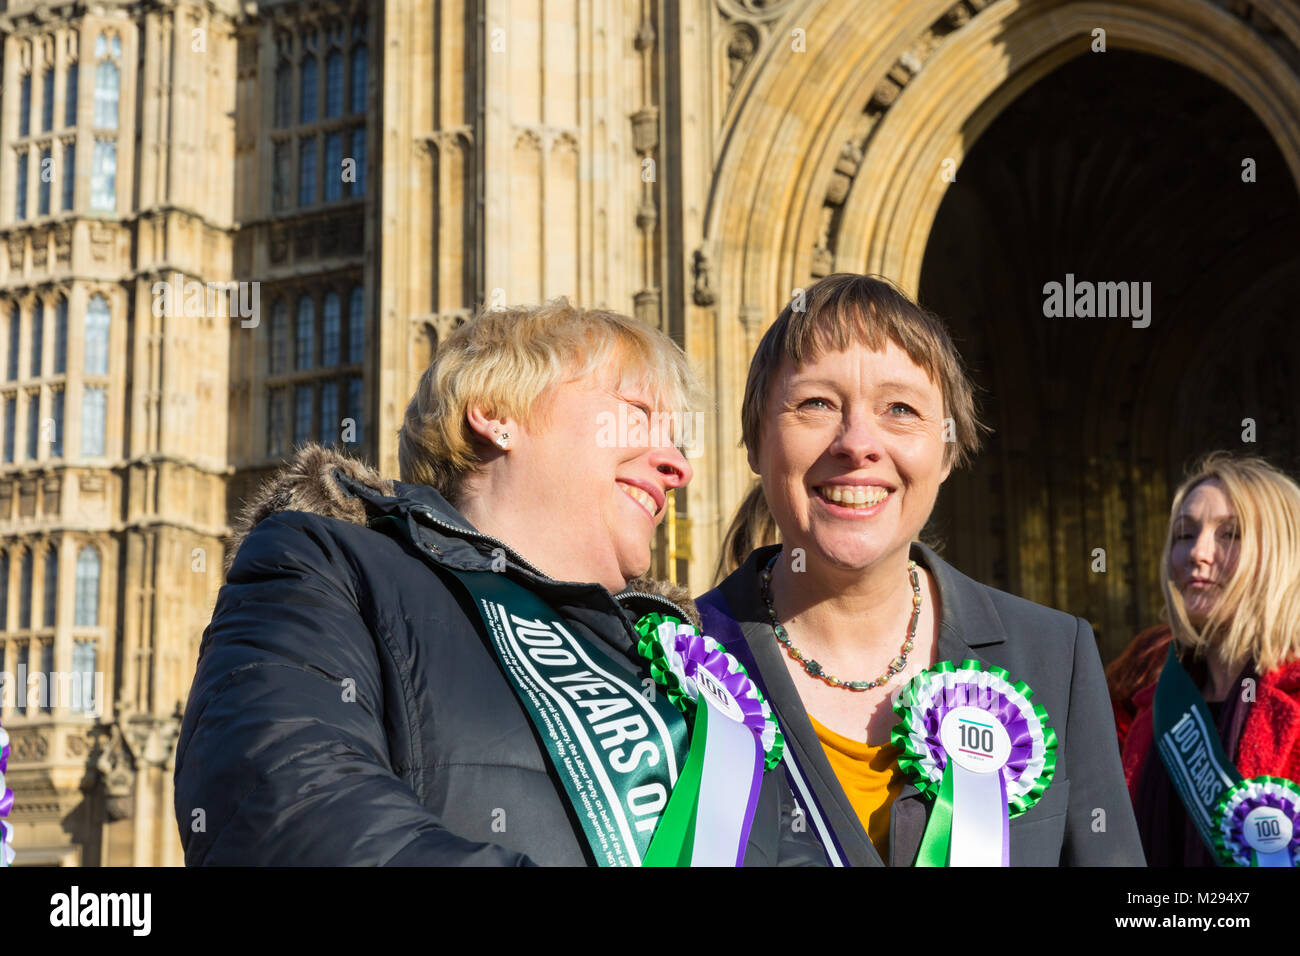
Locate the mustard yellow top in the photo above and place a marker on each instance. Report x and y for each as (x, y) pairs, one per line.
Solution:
(870, 777)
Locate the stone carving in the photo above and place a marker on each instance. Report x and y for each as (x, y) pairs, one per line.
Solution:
(101, 241)
(846, 167)
(304, 235)
(116, 766)
(751, 320)
(645, 36)
(527, 139)
(741, 48)
(28, 745)
(958, 15)
(50, 494)
(703, 293)
(757, 11)
(886, 92)
(747, 24)
(823, 261)
(27, 499)
(63, 244)
(646, 307)
(647, 215)
(279, 244)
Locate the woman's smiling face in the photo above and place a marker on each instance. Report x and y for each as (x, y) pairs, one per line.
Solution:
(851, 454)
(604, 490)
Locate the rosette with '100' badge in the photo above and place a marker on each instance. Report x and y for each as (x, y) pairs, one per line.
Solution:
(1259, 823)
(734, 739)
(975, 744)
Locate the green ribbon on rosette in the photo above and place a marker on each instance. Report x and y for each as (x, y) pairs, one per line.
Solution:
(733, 739)
(974, 743)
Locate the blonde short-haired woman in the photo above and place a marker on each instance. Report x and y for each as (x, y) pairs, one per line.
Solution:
(1230, 572)
(447, 669)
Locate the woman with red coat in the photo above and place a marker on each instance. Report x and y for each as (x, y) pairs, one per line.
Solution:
(1230, 573)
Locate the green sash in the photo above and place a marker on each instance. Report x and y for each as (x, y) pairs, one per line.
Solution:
(1189, 747)
(618, 752)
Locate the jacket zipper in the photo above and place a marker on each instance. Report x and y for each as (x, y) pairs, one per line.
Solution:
(428, 513)
(679, 612)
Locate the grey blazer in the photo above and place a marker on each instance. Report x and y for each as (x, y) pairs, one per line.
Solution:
(1085, 817)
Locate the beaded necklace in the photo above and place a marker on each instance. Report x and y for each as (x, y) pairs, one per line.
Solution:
(812, 667)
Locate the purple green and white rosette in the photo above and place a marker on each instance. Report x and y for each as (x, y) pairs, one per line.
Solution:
(974, 743)
(734, 738)
(1259, 823)
(6, 804)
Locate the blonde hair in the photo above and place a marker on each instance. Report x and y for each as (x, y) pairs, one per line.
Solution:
(506, 361)
(834, 313)
(1257, 618)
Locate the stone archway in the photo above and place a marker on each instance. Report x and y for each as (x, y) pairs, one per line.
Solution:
(833, 158)
(1131, 173)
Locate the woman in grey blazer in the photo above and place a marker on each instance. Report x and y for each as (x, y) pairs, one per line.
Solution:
(855, 411)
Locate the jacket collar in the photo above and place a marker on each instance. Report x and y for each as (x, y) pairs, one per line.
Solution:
(319, 480)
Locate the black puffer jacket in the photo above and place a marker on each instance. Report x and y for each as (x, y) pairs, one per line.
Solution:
(435, 760)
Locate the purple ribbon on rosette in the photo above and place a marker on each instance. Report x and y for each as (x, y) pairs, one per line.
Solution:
(995, 703)
(736, 726)
(1288, 807)
(973, 742)
(696, 656)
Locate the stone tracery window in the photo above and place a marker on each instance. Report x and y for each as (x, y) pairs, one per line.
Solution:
(49, 613)
(86, 613)
(20, 186)
(311, 399)
(70, 96)
(319, 137)
(47, 100)
(103, 176)
(25, 105)
(107, 83)
(97, 328)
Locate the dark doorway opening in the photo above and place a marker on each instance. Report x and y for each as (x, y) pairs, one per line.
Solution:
(1116, 168)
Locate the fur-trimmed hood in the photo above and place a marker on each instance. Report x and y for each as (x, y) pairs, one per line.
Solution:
(306, 482)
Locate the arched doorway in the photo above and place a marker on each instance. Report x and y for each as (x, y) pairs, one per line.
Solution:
(1124, 168)
(831, 159)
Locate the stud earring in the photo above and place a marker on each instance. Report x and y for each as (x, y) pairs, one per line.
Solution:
(503, 438)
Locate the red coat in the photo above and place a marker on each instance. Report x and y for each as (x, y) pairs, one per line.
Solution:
(1270, 736)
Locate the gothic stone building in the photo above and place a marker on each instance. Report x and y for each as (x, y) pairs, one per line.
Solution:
(368, 175)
